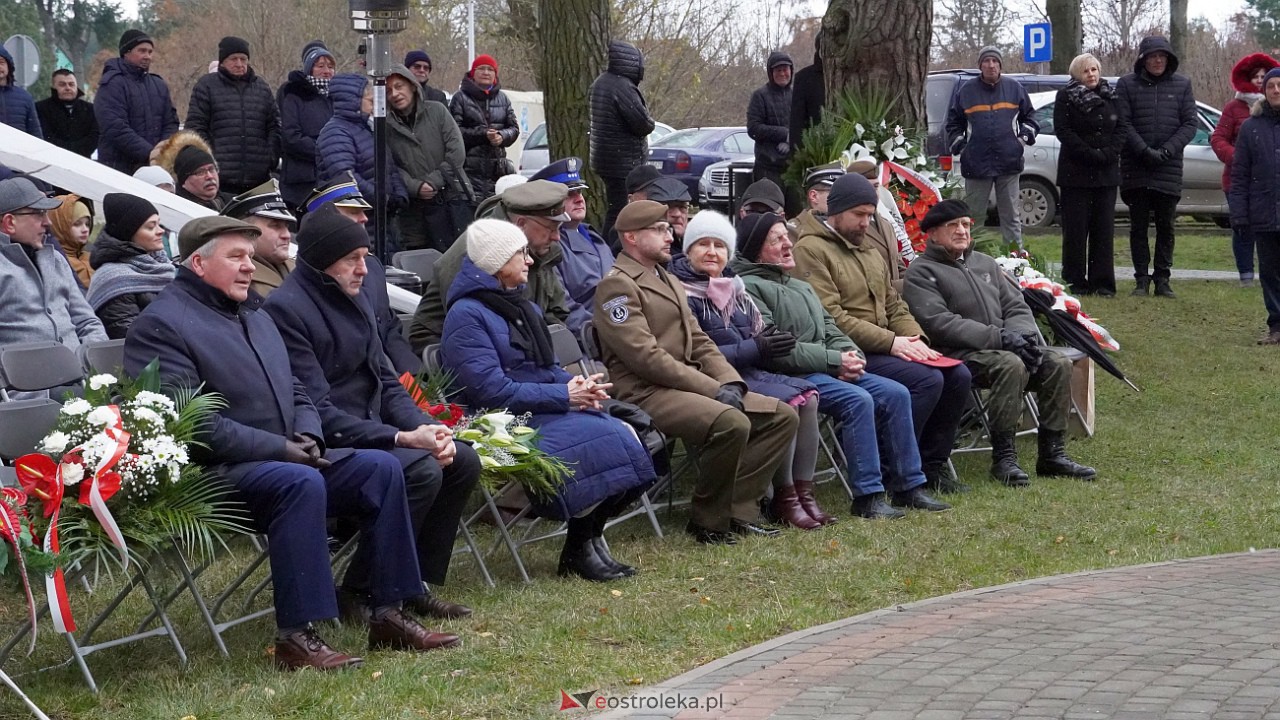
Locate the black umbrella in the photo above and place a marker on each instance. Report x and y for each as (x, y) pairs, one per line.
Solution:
(1070, 332)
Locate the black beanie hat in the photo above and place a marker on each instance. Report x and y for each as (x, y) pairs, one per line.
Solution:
(752, 231)
(850, 191)
(943, 213)
(131, 39)
(230, 45)
(125, 213)
(327, 235)
(189, 160)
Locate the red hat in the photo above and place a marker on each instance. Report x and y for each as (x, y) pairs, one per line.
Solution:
(484, 60)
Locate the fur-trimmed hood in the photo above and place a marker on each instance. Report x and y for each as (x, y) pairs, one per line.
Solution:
(166, 152)
(1243, 71)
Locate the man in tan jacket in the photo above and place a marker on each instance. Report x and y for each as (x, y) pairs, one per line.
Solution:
(854, 284)
(660, 359)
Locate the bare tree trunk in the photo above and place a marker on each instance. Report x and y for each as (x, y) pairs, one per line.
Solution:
(1178, 27)
(1068, 37)
(574, 37)
(879, 44)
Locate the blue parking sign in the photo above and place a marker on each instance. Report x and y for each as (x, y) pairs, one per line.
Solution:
(1037, 42)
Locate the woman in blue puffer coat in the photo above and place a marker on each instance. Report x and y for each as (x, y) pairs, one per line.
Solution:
(719, 300)
(17, 107)
(499, 349)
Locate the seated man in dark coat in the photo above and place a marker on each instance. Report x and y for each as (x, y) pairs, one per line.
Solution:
(972, 311)
(327, 320)
(267, 443)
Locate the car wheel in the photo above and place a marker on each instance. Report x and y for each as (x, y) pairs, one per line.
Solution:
(1037, 204)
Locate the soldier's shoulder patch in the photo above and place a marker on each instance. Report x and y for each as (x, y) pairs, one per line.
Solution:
(617, 309)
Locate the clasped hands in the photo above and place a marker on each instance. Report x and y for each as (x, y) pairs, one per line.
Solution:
(586, 393)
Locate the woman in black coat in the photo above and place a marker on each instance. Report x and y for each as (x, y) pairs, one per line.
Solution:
(304, 109)
(1255, 195)
(1084, 118)
(488, 124)
(129, 262)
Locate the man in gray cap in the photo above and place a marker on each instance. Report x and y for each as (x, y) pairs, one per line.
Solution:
(264, 208)
(537, 208)
(39, 296)
(675, 195)
(762, 196)
(660, 359)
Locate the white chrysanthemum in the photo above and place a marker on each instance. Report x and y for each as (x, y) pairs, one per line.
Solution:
(98, 382)
(156, 400)
(78, 406)
(55, 442)
(72, 473)
(101, 416)
(148, 415)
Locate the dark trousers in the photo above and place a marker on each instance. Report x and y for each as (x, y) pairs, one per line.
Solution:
(1144, 206)
(1242, 248)
(615, 192)
(938, 399)
(1088, 238)
(291, 502)
(1269, 274)
(427, 224)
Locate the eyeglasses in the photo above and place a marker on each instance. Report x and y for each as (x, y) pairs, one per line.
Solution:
(660, 227)
(955, 225)
(551, 225)
(420, 66)
(34, 213)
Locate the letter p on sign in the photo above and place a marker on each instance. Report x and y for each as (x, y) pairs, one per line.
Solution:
(1037, 42)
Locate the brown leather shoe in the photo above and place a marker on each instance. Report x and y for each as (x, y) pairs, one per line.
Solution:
(398, 631)
(306, 649)
(428, 605)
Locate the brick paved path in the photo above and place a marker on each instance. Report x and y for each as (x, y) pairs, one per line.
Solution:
(1186, 640)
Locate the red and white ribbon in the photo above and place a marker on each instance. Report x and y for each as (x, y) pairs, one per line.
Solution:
(114, 430)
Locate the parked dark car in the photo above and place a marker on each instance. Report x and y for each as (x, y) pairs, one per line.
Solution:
(684, 154)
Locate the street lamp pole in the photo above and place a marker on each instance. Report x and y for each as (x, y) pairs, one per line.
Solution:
(379, 20)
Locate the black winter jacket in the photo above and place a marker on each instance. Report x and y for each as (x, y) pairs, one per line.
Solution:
(1089, 146)
(620, 121)
(1255, 171)
(303, 113)
(1157, 114)
(476, 109)
(69, 125)
(431, 92)
(769, 118)
(134, 113)
(808, 96)
(240, 120)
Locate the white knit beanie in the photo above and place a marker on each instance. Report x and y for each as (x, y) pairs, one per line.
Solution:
(709, 223)
(491, 243)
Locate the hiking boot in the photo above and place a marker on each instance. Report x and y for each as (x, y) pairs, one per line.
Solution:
(1004, 461)
(1053, 460)
(1143, 288)
(940, 479)
(1163, 289)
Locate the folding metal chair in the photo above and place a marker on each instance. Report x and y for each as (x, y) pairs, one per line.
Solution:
(418, 262)
(104, 356)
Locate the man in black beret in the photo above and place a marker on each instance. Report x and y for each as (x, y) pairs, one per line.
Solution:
(973, 312)
(335, 351)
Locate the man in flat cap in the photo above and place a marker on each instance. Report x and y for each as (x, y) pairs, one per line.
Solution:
(675, 195)
(587, 256)
(854, 284)
(328, 325)
(762, 196)
(40, 298)
(975, 313)
(660, 359)
(264, 208)
(132, 105)
(235, 111)
(268, 445)
(538, 209)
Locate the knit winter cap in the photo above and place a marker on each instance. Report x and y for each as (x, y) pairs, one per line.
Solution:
(491, 243)
(198, 232)
(230, 45)
(1272, 73)
(710, 224)
(850, 191)
(133, 38)
(313, 52)
(484, 60)
(752, 231)
(326, 236)
(125, 213)
(943, 213)
(765, 192)
(153, 175)
(189, 160)
(414, 56)
(990, 51)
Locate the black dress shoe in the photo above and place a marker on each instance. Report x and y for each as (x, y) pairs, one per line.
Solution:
(873, 507)
(707, 536)
(428, 605)
(746, 529)
(579, 558)
(918, 499)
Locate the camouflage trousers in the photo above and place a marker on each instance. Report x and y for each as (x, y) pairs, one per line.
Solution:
(1006, 377)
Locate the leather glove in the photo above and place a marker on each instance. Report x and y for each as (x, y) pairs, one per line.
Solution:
(957, 145)
(1032, 356)
(304, 451)
(1028, 137)
(774, 343)
(1011, 341)
(730, 394)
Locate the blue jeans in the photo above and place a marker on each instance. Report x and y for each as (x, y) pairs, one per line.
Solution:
(874, 412)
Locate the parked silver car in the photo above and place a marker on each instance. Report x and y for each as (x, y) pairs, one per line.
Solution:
(537, 150)
(1201, 171)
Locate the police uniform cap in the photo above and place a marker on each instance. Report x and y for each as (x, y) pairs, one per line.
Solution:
(342, 191)
(567, 172)
(263, 201)
(824, 175)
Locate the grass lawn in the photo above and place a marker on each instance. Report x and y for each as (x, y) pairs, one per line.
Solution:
(1187, 468)
(1199, 247)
